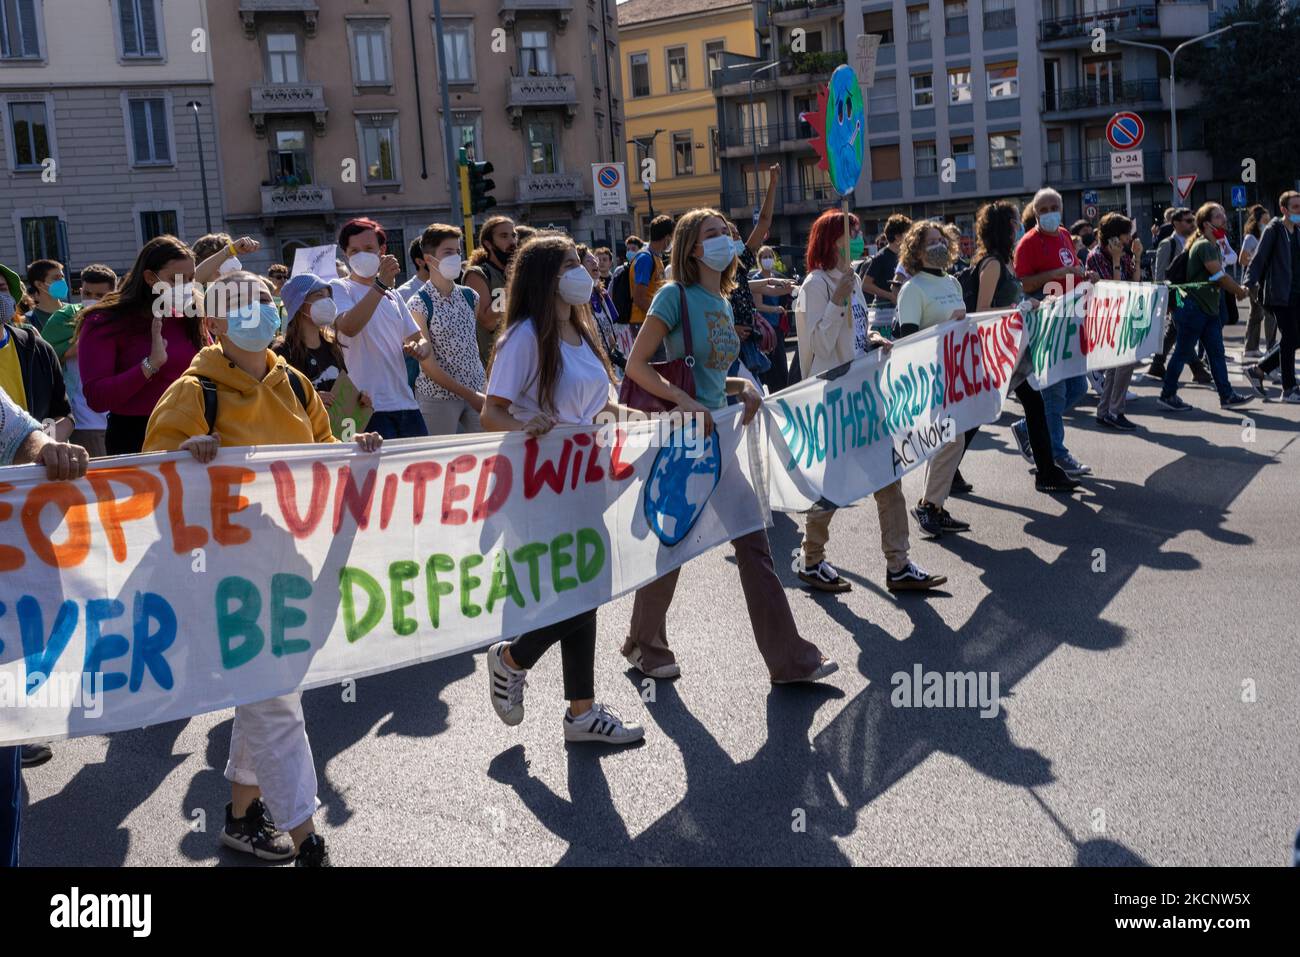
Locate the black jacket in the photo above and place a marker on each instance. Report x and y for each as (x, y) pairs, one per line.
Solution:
(42, 374)
(1271, 265)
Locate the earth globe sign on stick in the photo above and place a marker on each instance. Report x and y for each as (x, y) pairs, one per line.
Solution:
(841, 136)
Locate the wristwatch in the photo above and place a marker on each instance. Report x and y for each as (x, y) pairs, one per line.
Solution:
(381, 285)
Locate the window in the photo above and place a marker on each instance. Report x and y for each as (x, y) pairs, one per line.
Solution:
(542, 154)
(370, 50)
(137, 22)
(458, 47)
(638, 66)
(1055, 146)
(713, 57)
(814, 182)
(713, 149)
(922, 90)
(882, 98)
(466, 132)
(1004, 81)
(645, 149)
(161, 222)
(535, 53)
(999, 14)
(814, 41)
(593, 48)
(804, 104)
(44, 237)
(1004, 150)
(963, 153)
(880, 22)
(282, 58)
(918, 24)
(151, 145)
(19, 30)
(289, 164)
(29, 129)
(683, 154)
(677, 79)
(1097, 151)
(955, 21)
(379, 148)
(885, 163)
(1103, 79)
(927, 158)
(753, 123)
(959, 86)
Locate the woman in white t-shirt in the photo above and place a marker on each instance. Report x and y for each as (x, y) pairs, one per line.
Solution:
(548, 369)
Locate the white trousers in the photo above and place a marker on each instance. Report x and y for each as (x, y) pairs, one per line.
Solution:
(269, 750)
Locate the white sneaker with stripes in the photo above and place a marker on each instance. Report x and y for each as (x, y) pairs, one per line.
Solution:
(505, 686)
(602, 723)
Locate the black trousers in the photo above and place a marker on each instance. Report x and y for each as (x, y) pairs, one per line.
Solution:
(577, 638)
(1288, 329)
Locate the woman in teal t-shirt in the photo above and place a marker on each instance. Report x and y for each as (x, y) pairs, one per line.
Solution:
(704, 262)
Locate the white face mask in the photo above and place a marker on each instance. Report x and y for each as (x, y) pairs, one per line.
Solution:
(576, 286)
(230, 265)
(323, 311)
(365, 265)
(767, 263)
(450, 266)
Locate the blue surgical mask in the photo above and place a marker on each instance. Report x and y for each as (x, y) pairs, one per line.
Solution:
(718, 252)
(1294, 217)
(59, 289)
(1049, 222)
(740, 246)
(252, 327)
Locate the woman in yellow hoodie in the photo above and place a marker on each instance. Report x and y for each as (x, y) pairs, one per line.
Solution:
(259, 400)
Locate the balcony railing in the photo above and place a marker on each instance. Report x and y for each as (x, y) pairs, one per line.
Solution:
(510, 10)
(1088, 97)
(790, 11)
(550, 188)
(292, 200)
(1120, 20)
(249, 9)
(1096, 169)
(280, 98)
(291, 168)
(999, 20)
(763, 137)
(543, 92)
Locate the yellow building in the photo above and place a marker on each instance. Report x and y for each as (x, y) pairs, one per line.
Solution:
(669, 50)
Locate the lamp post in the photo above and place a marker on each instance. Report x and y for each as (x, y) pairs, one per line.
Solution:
(646, 181)
(203, 168)
(753, 129)
(1175, 200)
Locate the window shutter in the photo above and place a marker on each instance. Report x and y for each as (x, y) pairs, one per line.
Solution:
(149, 28)
(161, 141)
(130, 36)
(140, 131)
(27, 28)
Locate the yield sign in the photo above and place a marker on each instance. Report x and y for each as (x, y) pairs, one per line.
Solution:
(1183, 184)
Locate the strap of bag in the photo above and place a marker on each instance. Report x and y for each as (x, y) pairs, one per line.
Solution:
(685, 310)
(209, 401)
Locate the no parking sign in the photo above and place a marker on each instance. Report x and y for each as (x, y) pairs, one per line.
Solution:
(609, 187)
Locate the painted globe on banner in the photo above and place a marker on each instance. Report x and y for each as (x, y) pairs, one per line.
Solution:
(684, 475)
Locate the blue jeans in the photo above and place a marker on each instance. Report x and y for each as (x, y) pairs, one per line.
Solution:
(1194, 326)
(406, 424)
(1057, 400)
(11, 804)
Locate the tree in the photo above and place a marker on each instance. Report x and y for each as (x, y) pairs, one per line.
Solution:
(1250, 91)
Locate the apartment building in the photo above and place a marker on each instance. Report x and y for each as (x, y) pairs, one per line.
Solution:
(98, 108)
(670, 51)
(331, 109)
(972, 100)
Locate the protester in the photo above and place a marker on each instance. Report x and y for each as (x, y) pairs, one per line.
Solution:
(1199, 317)
(1118, 257)
(603, 313)
(1046, 265)
(604, 264)
(1275, 271)
(998, 228)
(30, 372)
(704, 267)
(959, 262)
(407, 290)
(646, 270)
(752, 357)
(450, 387)
(259, 400)
(49, 289)
(97, 281)
(833, 329)
(22, 441)
(775, 310)
(1181, 223)
(277, 276)
(309, 343)
(547, 369)
(486, 275)
(138, 339)
(1256, 222)
(524, 233)
(376, 330)
(880, 273)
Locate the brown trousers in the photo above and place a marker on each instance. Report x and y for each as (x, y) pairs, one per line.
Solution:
(788, 656)
(892, 509)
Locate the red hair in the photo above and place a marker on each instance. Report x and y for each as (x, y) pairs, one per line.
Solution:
(827, 232)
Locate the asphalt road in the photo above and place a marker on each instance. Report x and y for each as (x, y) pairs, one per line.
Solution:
(1148, 711)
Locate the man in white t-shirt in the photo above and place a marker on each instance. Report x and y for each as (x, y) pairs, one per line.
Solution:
(377, 331)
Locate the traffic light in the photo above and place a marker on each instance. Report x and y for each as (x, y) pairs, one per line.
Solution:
(480, 187)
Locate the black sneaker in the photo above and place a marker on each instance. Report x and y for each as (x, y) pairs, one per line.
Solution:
(913, 578)
(1123, 423)
(935, 521)
(1156, 370)
(313, 853)
(1172, 403)
(1056, 481)
(1107, 421)
(823, 577)
(1020, 430)
(1257, 380)
(36, 754)
(1235, 399)
(960, 486)
(255, 834)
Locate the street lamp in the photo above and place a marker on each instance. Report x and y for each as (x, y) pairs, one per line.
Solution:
(753, 128)
(1173, 110)
(203, 169)
(645, 182)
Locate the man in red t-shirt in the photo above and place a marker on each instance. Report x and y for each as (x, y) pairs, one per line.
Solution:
(1046, 265)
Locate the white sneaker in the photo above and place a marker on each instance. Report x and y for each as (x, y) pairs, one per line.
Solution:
(1096, 380)
(505, 686)
(602, 723)
(1292, 397)
(670, 670)
(826, 668)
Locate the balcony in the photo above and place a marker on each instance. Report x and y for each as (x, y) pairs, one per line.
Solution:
(799, 69)
(1100, 100)
(1096, 170)
(796, 12)
(809, 198)
(280, 99)
(542, 93)
(550, 188)
(1077, 29)
(249, 10)
(510, 10)
(296, 200)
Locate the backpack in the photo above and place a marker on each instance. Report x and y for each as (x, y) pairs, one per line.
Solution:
(210, 395)
(1177, 271)
(970, 283)
(621, 292)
